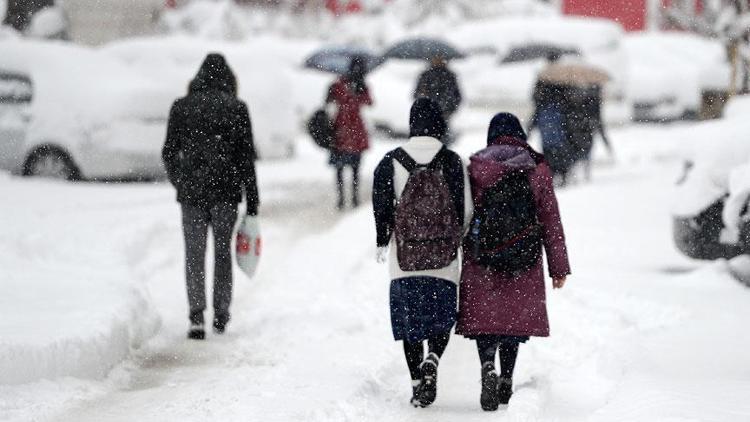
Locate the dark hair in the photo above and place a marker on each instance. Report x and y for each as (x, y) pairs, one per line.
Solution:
(505, 125)
(554, 56)
(357, 67)
(426, 119)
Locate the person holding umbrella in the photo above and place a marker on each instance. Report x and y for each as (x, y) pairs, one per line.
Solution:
(349, 93)
(567, 99)
(584, 123)
(440, 84)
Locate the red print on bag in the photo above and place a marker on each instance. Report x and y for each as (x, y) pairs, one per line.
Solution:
(243, 244)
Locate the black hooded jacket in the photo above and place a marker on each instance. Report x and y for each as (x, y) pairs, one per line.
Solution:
(209, 153)
(440, 84)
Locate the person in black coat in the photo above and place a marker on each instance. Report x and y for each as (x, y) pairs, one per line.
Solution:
(423, 303)
(584, 121)
(210, 159)
(440, 84)
(551, 117)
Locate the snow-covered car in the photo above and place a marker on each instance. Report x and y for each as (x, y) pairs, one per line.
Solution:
(669, 72)
(392, 87)
(70, 113)
(99, 21)
(488, 82)
(265, 80)
(710, 212)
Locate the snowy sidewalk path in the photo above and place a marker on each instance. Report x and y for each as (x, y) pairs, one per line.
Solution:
(640, 333)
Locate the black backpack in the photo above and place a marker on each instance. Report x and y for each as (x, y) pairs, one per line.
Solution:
(320, 129)
(505, 234)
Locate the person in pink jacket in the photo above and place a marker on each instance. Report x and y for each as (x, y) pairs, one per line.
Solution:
(497, 309)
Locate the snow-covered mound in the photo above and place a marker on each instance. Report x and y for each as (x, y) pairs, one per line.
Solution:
(72, 303)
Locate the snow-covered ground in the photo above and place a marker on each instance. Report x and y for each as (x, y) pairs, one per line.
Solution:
(639, 333)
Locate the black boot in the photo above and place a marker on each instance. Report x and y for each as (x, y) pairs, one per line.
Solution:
(220, 323)
(504, 390)
(415, 389)
(428, 388)
(489, 398)
(196, 331)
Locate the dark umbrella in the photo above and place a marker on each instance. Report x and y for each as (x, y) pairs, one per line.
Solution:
(337, 59)
(422, 49)
(537, 51)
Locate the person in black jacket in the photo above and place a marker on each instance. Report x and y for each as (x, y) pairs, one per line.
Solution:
(210, 159)
(439, 84)
(584, 122)
(422, 302)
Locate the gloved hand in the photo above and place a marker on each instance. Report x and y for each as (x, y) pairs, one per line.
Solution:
(381, 255)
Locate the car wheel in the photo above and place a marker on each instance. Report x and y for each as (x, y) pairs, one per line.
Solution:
(51, 163)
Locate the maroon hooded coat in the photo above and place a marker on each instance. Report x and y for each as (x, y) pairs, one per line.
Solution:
(495, 303)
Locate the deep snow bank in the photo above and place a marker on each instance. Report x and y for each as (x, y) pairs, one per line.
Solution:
(70, 305)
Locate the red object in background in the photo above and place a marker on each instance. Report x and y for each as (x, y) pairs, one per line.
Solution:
(354, 6)
(333, 6)
(631, 14)
(340, 7)
(170, 4)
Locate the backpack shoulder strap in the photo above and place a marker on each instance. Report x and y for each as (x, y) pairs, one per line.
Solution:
(453, 170)
(400, 155)
(440, 159)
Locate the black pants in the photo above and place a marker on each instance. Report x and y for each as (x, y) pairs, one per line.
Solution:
(415, 352)
(195, 222)
(489, 345)
(355, 183)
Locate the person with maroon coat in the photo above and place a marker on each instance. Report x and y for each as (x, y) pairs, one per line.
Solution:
(350, 94)
(500, 310)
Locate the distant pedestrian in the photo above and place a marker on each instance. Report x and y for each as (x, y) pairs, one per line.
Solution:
(502, 284)
(584, 123)
(550, 118)
(350, 94)
(210, 159)
(440, 84)
(421, 200)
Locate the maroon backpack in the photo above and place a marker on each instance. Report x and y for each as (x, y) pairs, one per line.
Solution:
(427, 230)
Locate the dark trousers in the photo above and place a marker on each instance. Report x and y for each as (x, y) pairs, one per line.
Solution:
(195, 222)
(488, 347)
(355, 183)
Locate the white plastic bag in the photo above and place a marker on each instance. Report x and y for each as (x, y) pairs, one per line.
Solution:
(248, 245)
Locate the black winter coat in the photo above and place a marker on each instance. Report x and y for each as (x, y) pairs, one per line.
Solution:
(440, 85)
(209, 153)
